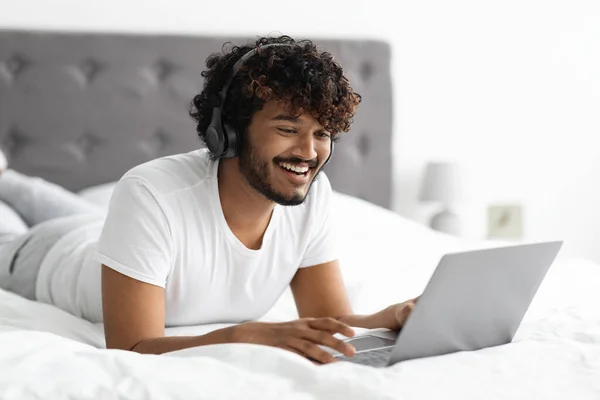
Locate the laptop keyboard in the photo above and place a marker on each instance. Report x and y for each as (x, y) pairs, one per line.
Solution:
(374, 358)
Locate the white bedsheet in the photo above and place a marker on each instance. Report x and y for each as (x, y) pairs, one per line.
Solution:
(47, 353)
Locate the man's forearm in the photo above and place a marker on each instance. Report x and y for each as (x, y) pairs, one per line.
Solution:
(382, 319)
(162, 345)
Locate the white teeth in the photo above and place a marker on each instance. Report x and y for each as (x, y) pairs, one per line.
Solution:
(291, 167)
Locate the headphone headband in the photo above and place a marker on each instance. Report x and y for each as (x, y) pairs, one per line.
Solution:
(238, 64)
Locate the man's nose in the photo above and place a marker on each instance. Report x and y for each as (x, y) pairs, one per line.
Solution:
(305, 148)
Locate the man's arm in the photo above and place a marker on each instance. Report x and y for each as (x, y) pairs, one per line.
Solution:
(134, 318)
(319, 291)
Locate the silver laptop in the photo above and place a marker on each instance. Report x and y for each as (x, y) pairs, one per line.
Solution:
(474, 300)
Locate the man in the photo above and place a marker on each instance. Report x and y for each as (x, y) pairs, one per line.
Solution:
(216, 235)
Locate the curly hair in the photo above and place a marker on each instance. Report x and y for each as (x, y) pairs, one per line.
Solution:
(311, 81)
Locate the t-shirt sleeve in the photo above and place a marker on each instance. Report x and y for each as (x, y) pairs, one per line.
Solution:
(322, 244)
(136, 239)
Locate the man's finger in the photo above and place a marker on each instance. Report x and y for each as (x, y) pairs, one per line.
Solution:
(326, 339)
(405, 312)
(292, 350)
(310, 350)
(331, 325)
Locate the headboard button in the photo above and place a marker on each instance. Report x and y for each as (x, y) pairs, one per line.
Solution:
(87, 142)
(14, 141)
(86, 71)
(366, 71)
(84, 145)
(12, 67)
(156, 143)
(161, 70)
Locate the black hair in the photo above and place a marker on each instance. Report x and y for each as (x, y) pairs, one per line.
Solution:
(309, 79)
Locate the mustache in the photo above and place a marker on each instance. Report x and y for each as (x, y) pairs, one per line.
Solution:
(295, 160)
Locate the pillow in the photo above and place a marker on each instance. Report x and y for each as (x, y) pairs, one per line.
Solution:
(12, 223)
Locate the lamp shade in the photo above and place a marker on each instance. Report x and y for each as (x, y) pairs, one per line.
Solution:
(443, 182)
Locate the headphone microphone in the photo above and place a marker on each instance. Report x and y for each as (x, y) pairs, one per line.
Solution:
(222, 139)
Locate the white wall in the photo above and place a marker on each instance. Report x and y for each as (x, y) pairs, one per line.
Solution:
(511, 88)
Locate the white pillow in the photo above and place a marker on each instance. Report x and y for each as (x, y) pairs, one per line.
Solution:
(11, 222)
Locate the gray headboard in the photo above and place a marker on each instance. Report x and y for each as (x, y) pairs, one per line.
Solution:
(80, 109)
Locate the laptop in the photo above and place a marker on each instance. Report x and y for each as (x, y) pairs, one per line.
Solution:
(473, 300)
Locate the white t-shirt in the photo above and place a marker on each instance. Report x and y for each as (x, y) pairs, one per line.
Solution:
(165, 227)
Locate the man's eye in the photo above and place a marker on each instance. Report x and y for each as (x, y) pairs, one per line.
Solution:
(323, 135)
(286, 130)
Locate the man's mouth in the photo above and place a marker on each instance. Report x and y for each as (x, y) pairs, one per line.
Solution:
(298, 174)
(297, 169)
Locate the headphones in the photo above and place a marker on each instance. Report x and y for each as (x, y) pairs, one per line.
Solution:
(221, 138)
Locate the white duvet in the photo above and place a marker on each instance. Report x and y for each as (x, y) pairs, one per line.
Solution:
(46, 353)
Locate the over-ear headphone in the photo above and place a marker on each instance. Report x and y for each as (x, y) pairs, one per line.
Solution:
(221, 138)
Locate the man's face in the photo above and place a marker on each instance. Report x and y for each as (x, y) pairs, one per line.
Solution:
(282, 153)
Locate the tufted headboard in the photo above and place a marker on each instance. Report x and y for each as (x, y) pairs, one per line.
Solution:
(80, 109)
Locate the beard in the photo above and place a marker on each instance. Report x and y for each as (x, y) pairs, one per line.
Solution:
(256, 172)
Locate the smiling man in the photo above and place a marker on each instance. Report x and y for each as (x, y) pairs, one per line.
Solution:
(216, 235)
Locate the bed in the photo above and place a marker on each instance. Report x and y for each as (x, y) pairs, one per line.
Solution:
(79, 109)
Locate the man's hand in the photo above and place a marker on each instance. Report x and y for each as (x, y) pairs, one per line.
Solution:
(402, 311)
(301, 336)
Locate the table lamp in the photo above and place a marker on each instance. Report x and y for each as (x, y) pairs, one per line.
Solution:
(442, 183)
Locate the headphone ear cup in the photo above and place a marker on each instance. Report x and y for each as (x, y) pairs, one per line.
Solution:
(233, 142)
(214, 138)
(212, 141)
